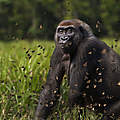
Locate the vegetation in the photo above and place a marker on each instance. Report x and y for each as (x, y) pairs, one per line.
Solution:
(20, 19)
(23, 70)
(24, 64)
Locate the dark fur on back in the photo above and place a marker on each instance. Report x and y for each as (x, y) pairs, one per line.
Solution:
(93, 76)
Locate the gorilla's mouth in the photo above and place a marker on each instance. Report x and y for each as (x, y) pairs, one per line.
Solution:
(66, 44)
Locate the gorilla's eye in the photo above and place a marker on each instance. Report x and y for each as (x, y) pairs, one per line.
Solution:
(60, 31)
(69, 31)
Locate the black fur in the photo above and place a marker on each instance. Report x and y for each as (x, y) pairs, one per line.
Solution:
(93, 69)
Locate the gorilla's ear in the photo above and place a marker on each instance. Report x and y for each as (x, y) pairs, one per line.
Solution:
(83, 31)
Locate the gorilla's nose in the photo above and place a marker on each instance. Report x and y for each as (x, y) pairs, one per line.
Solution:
(64, 38)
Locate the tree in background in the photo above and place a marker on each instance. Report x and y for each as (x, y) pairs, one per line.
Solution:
(31, 19)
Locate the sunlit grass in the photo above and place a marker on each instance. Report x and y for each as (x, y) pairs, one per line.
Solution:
(23, 70)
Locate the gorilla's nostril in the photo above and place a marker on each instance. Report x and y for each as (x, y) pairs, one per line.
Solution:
(64, 38)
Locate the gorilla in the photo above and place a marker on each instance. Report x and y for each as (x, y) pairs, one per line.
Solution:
(92, 68)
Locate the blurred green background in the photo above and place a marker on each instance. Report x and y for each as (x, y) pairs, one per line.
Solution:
(29, 19)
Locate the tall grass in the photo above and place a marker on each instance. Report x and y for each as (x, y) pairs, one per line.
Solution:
(23, 70)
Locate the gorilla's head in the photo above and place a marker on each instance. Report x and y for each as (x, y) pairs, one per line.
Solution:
(70, 33)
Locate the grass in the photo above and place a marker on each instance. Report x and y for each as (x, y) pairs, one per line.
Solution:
(23, 70)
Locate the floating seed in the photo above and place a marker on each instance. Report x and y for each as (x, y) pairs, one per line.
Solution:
(55, 92)
(56, 78)
(84, 94)
(43, 49)
(30, 57)
(70, 43)
(97, 69)
(46, 105)
(88, 81)
(41, 104)
(58, 95)
(90, 52)
(103, 93)
(19, 96)
(42, 87)
(45, 55)
(104, 51)
(51, 102)
(116, 40)
(91, 98)
(94, 49)
(27, 50)
(63, 102)
(28, 54)
(39, 46)
(118, 83)
(99, 73)
(104, 105)
(23, 68)
(113, 114)
(76, 85)
(87, 86)
(103, 68)
(33, 51)
(94, 86)
(112, 46)
(41, 26)
(85, 64)
(56, 113)
(100, 80)
(25, 76)
(99, 105)
(39, 54)
(85, 78)
(99, 60)
(87, 73)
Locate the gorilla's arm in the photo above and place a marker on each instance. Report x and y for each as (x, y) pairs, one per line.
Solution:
(50, 93)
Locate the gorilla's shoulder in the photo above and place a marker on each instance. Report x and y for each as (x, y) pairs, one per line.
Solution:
(97, 44)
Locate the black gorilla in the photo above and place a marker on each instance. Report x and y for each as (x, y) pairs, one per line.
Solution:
(92, 68)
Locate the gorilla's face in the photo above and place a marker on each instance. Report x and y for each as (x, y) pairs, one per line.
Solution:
(65, 36)
(68, 35)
